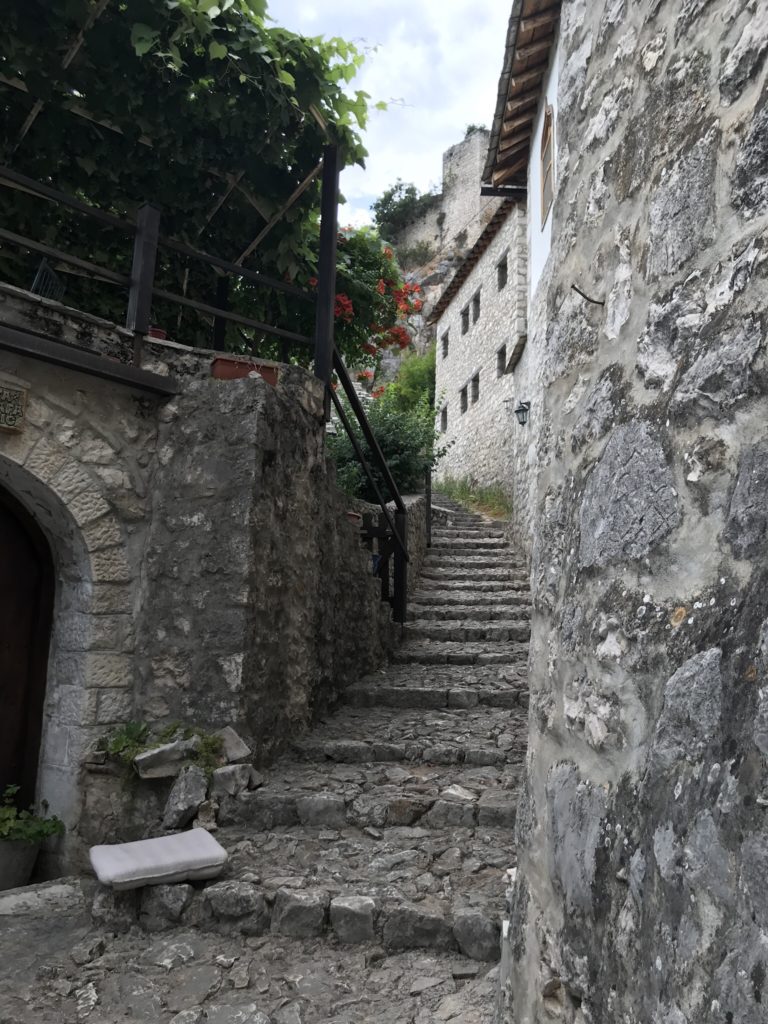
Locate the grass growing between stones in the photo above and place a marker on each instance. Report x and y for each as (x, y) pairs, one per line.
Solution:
(490, 501)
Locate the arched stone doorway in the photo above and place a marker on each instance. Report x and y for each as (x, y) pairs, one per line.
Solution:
(27, 587)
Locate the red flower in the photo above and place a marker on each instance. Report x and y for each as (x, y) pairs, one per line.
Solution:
(365, 375)
(380, 287)
(368, 347)
(343, 310)
(378, 392)
(388, 252)
(313, 282)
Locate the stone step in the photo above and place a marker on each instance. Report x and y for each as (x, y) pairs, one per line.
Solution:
(377, 795)
(482, 532)
(441, 686)
(407, 888)
(513, 579)
(436, 595)
(479, 612)
(500, 631)
(432, 652)
(479, 560)
(478, 736)
(443, 544)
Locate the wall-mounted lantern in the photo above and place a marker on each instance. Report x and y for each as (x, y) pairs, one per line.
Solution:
(522, 413)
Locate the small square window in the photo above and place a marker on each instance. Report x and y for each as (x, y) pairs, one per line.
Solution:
(475, 307)
(463, 396)
(502, 273)
(444, 419)
(465, 320)
(445, 345)
(475, 384)
(501, 361)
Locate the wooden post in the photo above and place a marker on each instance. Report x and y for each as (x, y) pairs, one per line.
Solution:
(400, 596)
(326, 272)
(142, 276)
(219, 323)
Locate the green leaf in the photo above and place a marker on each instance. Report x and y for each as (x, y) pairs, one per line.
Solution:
(286, 78)
(143, 38)
(217, 51)
(381, 105)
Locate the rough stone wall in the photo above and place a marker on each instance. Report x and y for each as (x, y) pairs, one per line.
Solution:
(455, 222)
(640, 895)
(206, 569)
(482, 438)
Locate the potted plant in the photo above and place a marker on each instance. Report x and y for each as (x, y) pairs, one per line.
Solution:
(21, 833)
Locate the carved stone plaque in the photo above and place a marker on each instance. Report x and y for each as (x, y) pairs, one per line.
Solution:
(13, 403)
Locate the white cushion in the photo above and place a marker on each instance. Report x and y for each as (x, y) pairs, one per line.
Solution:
(177, 858)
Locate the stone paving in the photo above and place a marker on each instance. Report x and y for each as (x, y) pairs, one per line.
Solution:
(368, 868)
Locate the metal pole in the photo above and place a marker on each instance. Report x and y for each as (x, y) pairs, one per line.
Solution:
(400, 597)
(326, 273)
(142, 276)
(428, 501)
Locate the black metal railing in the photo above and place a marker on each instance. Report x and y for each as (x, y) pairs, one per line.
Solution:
(142, 289)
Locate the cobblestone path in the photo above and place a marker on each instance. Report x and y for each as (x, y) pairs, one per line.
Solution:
(368, 873)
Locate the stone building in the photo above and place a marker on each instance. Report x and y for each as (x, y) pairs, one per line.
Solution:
(641, 492)
(173, 549)
(480, 329)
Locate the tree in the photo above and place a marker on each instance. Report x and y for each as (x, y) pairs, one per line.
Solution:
(399, 206)
(415, 381)
(200, 107)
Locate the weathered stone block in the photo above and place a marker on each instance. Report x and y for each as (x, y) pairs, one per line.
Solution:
(188, 792)
(417, 925)
(690, 717)
(167, 760)
(261, 809)
(240, 902)
(300, 914)
(230, 780)
(477, 935)
(629, 503)
(232, 747)
(327, 810)
(497, 808)
(352, 918)
(746, 528)
(161, 906)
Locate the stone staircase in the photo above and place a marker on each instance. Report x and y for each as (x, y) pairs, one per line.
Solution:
(391, 822)
(368, 868)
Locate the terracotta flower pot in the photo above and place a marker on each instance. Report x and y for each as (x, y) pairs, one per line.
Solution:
(17, 859)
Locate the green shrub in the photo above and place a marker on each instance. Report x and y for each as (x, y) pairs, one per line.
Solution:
(407, 439)
(415, 255)
(491, 500)
(415, 379)
(25, 826)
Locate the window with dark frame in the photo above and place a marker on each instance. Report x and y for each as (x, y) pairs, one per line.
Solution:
(444, 340)
(463, 396)
(465, 320)
(547, 169)
(444, 419)
(475, 385)
(502, 273)
(501, 361)
(475, 307)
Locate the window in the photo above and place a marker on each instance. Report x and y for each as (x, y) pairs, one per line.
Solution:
(475, 307)
(463, 396)
(445, 345)
(502, 273)
(501, 361)
(547, 169)
(444, 419)
(475, 384)
(465, 320)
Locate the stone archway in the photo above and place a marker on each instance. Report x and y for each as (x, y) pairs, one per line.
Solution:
(89, 683)
(26, 614)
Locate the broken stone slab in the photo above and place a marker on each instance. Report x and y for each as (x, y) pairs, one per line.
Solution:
(233, 749)
(87, 950)
(300, 915)
(424, 984)
(230, 780)
(187, 793)
(244, 1013)
(167, 759)
(352, 918)
(477, 935)
(417, 925)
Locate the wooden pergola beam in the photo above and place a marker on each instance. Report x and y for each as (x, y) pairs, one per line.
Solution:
(510, 126)
(514, 142)
(528, 76)
(534, 49)
(518, 103)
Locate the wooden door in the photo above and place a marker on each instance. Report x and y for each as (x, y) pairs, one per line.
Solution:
(26, 609)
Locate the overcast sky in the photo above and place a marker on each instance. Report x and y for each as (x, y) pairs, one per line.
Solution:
(437, 64)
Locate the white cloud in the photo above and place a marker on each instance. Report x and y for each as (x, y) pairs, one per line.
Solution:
(439, 60)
